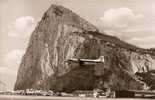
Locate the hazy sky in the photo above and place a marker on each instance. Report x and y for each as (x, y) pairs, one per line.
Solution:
(131, 20)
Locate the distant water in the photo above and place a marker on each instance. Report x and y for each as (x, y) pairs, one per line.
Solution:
(11, 97)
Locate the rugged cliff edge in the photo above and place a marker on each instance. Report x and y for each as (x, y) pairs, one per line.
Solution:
(61, 34)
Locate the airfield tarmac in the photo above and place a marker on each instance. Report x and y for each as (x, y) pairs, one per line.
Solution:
(14, 97)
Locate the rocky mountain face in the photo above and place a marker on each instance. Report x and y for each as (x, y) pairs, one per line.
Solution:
(62, 34)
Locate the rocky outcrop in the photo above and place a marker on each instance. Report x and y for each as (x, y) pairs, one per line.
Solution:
(61, 34)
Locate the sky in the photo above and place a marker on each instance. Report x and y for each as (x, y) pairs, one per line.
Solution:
(131, 20)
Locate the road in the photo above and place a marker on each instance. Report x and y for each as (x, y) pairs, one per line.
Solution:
(13, 97)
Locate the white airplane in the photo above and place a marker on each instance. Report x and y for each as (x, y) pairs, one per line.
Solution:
(86, 61)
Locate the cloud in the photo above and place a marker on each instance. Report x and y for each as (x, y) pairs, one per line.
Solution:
(145, 42)
(13, 58)
(8, 77)
(9, 67)
(137, 29)
(22, 27)
(120, 18)
(19, 30)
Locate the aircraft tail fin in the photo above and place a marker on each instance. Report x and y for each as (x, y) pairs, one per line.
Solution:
(101, 58)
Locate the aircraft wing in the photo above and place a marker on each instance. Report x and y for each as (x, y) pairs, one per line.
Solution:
(73, 60)
(88, 60)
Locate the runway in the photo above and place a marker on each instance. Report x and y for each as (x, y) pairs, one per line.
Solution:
(14, 97)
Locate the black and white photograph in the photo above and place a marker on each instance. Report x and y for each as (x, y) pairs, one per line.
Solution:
(77, 49)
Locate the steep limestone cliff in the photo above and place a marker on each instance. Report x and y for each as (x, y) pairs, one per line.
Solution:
(61, 34)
